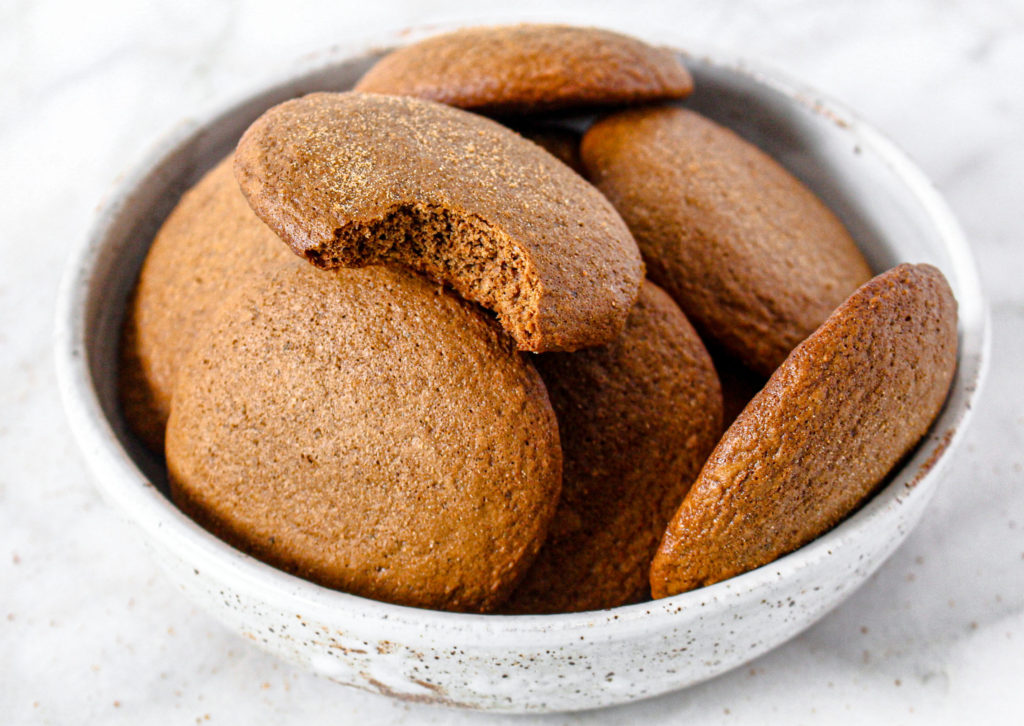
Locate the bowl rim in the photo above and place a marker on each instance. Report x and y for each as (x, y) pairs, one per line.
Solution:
(124, 484)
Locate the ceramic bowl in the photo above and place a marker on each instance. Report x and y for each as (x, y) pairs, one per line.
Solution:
(523, 663)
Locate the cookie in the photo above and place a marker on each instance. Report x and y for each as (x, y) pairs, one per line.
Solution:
(208, 244)
(753, 257)
(370, 432)
(638, 417)
(524, 69)
(350, 179)
(844, 408)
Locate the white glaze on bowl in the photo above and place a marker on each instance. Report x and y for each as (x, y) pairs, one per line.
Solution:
(519, 663)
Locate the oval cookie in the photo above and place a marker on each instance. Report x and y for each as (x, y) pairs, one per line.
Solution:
(844, 408)
(755, 260)
(370, 432)
(349, 179)
(638, 417)
(530, 68)
(209, 244)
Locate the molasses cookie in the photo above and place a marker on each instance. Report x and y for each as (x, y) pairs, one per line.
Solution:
(351, 179)
(848, 403)
(525, 69)
(638, 417)
(209, 244)
(753, 257)
(369, 431)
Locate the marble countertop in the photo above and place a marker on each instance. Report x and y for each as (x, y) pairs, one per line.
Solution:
(90, 632)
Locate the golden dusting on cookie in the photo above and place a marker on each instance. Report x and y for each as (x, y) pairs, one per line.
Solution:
(844, 408)
(753, 257)
(638, 417)
(368, 431)
(525, 69)
(350, 179)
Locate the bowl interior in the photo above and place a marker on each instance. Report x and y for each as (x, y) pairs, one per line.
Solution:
(890, 209)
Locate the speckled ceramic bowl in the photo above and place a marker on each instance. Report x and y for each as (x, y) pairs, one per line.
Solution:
(505, 663)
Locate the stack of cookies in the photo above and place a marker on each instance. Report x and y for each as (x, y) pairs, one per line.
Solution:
(397, 348)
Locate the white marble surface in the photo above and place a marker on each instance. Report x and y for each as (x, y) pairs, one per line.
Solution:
(91, 633)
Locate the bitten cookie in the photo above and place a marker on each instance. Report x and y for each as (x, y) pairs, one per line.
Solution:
(525, 69)
(349, 179)
(638, 417)
(368, 431)
(210, 243)
(755, 260)
(844, 408)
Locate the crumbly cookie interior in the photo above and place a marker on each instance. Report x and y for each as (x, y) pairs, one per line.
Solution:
(478, 261)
